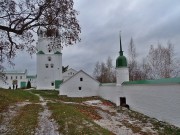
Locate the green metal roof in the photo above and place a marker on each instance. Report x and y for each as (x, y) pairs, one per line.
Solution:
(57, 52)
(40, 52)
(158, 81)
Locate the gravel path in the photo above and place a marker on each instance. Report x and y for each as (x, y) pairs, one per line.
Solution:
(47, 126)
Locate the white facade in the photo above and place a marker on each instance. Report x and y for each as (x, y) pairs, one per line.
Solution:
(68, 74)
(80, 85)
(20, 77)
(49, 64)
(122, 75)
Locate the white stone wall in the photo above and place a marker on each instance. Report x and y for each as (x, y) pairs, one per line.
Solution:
(122, 75)
(159, 101)
(89, 86)
(111, 92)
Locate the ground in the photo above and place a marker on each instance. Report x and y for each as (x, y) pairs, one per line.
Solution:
(35, 112)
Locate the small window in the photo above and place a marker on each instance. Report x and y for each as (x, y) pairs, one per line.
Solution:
(6, 77)
(11, 77)
(52, 84)
(81, 79)
(16, 77)
(52, 65)
(79, 88)
(49, 58)
(20, 77)
(46, 65)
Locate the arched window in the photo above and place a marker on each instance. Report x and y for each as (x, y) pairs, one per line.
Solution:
(49, 58)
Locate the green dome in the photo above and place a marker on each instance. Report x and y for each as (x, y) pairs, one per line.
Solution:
(121, 61)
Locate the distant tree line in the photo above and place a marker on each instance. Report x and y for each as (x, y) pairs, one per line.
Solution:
(160, 62)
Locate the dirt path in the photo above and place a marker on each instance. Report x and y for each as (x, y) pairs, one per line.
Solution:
(47, 126)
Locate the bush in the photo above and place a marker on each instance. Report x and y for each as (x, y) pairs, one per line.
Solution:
(28, 84)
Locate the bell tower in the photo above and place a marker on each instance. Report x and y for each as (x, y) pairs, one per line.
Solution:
(49, 60)
(122, 70)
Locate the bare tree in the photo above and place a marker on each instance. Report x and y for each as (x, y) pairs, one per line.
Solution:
(162, 62)
(132, 62)
(19, 19)
(104, 72)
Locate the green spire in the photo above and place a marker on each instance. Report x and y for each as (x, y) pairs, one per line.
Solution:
(121, 60)
(120, 52)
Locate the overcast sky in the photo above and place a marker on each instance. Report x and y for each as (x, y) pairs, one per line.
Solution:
(146, 21)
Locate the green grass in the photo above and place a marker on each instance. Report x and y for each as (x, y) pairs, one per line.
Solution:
(53, 95)
(47, 94)
(26, 121)
(8, 97)
(73, 122)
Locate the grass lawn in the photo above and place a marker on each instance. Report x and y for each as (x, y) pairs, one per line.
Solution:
(53, 95)
(8, 97)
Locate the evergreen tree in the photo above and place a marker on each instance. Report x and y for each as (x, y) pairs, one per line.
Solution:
(28, 85)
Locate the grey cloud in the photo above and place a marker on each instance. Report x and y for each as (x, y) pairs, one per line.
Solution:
(148, 22)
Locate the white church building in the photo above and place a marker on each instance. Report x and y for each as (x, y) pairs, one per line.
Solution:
(156, 98)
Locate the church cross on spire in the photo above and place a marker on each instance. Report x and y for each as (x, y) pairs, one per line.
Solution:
(121, 51)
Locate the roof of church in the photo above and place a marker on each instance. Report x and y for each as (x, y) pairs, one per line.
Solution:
(121, 60)
(157, 81)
